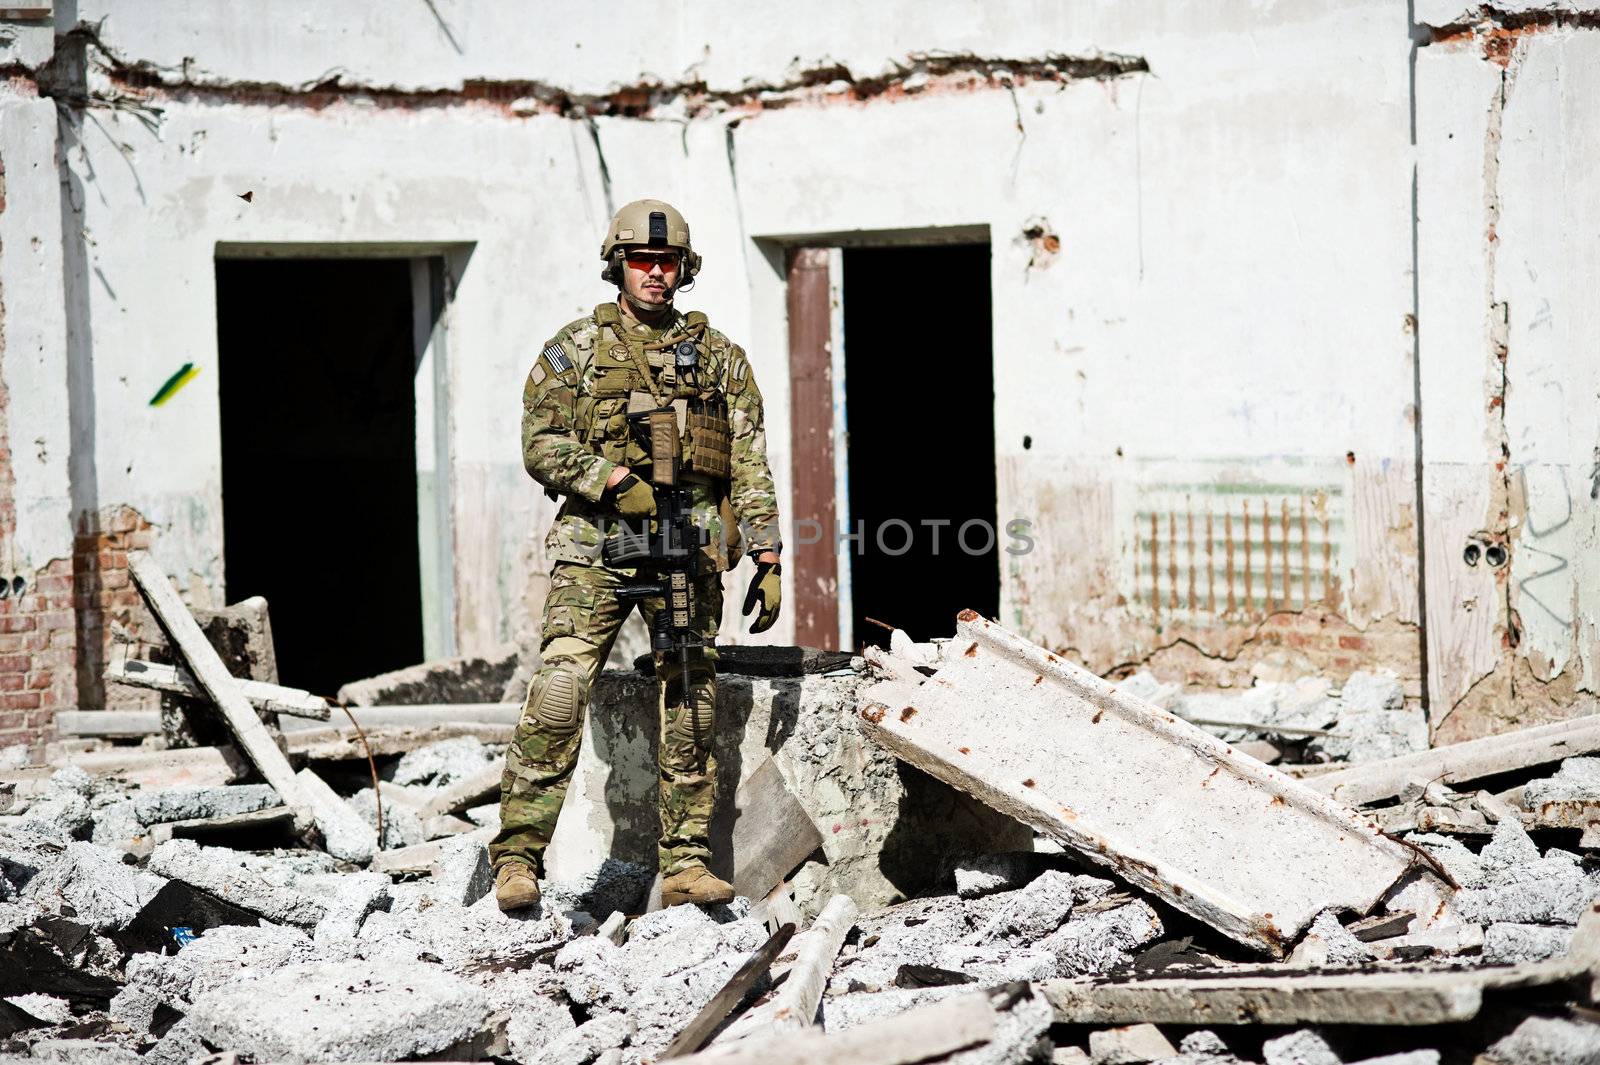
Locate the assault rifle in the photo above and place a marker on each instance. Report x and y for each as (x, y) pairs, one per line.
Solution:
(669, 546)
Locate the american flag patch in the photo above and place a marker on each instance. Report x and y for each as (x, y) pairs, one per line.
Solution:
(557, 358)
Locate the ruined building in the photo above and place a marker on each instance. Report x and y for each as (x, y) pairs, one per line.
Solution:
(1274, 327)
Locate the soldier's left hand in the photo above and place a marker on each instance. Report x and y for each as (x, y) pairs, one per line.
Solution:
(766, 591)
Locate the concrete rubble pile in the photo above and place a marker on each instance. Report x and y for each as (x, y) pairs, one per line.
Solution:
(966, 851)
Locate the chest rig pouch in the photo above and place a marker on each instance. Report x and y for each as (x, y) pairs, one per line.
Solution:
(667, 375)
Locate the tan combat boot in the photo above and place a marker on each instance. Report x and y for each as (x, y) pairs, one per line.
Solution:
(694, 884)
(515, 887)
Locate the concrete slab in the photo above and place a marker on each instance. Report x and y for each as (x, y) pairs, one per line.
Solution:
(345, 1011)
(188, 804)
(1165, 805)
(1376, 998)
(222, 873)
(1459, 762)
(345, 833)
(274, 698)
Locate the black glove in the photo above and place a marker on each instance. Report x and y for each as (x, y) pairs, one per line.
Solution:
(766, 591)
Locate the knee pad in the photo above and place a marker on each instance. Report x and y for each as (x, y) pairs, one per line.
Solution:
(557, 699)
(701, 717)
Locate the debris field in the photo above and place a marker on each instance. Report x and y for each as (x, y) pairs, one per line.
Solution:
(1286, 874)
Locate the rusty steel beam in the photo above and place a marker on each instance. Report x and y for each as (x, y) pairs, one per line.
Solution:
(1170, 808)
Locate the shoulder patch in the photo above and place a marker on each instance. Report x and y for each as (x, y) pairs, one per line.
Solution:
(556, 355)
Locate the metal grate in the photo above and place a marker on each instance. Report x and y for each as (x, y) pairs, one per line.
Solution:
(1235, 550)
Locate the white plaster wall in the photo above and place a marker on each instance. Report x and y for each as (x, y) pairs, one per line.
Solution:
(34, 362)
(1224, 270)
(1548, 277)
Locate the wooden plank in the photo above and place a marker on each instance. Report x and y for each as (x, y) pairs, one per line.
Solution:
(1457, 762)
(700, 1027)
(925, 1034)
(1169, 807)
(772, 833)
(220, 686)
(275, 698)
(813, 558)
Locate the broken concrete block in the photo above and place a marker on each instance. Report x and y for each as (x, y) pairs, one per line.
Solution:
(465, 679)
(1409, 1057)
(446, 762)
(1549, 890)
(1304, 1047)
(614, 885)
(345, 833)
(1103, 941)
(590, 972)
(585, 1043)
(1569, 799)
(1510, 847)
(1033, 912)
(465, 937)
(1546, 1041)
(81, 1052)
(985, 874)
(1510, 944)
(116, 824)
(225, 874)
(1060, 749)
(464, 874)
(93, 885)
(1329, 945)
(46, 1008)
(25, 851)
(187, 804)
(62, 811)
(536, 1022)
(360, 895)
(1204, 1043)
(157, 982)
(402, 827)
(1132, 1045)
(180, 1045)
(1372, 722)
(349, 1010)
(1441, 939)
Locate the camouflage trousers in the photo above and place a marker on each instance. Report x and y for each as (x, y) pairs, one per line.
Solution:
(582, 616)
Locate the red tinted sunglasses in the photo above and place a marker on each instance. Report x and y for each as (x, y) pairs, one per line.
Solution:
(646, 260)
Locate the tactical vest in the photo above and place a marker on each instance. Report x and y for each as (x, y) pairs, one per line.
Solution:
(633, 376)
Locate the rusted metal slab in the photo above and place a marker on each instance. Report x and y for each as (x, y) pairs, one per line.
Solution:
(1169, 807)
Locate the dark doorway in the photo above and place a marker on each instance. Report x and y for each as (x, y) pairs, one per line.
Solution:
(319, 471)
(919, 395)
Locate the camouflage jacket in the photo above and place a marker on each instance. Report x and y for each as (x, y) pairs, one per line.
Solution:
(575, 431)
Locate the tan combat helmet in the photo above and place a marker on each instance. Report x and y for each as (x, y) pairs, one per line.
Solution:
(649, 224)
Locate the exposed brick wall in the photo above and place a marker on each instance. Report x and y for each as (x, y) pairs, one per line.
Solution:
(1299, 643)
(108, 608)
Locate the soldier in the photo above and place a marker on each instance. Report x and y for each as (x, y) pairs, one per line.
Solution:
(577, 442)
